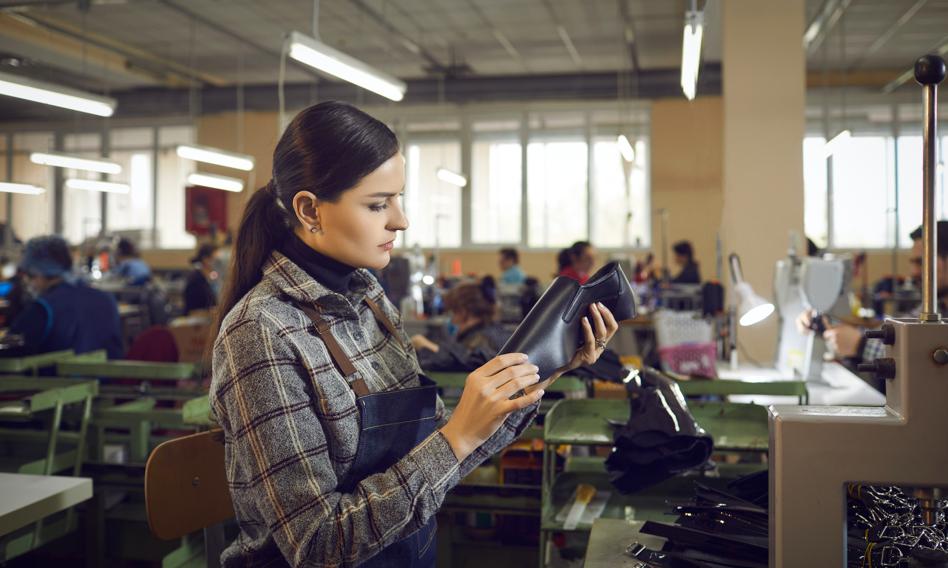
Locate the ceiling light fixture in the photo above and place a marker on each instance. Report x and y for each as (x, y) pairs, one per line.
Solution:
(75, 162)
(215, 156)
(24, 188)
(625, 148)
(453, 178)
(691, 51)
(216, 182)
(96, 185)
(837, 143)
(329, 60)
(55, 95)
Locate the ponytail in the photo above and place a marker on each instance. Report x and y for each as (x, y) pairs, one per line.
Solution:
(263, 228)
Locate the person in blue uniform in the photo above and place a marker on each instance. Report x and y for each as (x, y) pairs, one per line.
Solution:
(66, 313)
(129, 265)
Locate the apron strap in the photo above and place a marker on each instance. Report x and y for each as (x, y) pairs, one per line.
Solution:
(381, 317)
(335, 350)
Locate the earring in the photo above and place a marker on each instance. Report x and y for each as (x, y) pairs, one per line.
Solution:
(312, 229)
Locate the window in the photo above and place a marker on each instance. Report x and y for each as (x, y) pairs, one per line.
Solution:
(814, 191)
(82, 209)
(433, 206)
(172, 179)
(556, 192)
(132, 148)
(496, 197)
(863, 191)
(33, 214)
(620, 196)
(860, 193)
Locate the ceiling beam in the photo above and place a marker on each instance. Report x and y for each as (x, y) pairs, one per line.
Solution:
(173, 72)
(907, 76)
(434, 64)
(159, 102)
(823, 23)
(21, 37)
(871, 78)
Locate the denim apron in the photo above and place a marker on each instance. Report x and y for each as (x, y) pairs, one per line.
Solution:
(391, 425)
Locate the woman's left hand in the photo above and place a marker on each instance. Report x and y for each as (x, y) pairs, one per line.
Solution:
(598, 328)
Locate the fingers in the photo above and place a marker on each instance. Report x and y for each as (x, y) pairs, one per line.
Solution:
(499, 363)
(589, 338)
(516, 385)
(612, 326)
(513, 373)
(599, 326)
(523, 401)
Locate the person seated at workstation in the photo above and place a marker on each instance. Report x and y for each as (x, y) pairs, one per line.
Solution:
(576, 262)
(685, 258)
(473, 328)
(65, 313)
(848, 341)
(511, 273)
(198, 292)
(129, 266)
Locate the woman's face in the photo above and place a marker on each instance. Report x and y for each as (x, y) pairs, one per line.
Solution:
(359, 228)
(584, 262)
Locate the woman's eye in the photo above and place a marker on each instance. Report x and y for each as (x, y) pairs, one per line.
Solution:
(378, 207)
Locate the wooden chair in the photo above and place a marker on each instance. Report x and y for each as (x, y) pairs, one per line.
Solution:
(186, 490)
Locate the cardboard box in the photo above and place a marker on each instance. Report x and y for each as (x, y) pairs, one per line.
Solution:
(191, 337)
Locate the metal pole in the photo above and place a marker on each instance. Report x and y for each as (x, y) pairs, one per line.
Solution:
(929, 71)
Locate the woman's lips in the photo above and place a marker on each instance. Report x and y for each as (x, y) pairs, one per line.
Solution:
(389, 245)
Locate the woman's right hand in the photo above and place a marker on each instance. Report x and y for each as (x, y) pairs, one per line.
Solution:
(486, 403)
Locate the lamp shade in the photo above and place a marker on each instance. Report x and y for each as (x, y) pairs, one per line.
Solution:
(751, 308)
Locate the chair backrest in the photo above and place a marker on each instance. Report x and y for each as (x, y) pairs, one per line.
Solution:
(186, 485)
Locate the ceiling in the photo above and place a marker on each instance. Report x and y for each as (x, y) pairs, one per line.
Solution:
(123, 46)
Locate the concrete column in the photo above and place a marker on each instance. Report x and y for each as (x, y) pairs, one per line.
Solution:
(764, 86)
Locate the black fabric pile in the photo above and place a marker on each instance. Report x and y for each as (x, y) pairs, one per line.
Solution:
(729, 529)
(716, 529)
(661, 438)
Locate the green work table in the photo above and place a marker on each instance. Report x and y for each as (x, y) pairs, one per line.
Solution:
(31, 364)
(609, 539)
(733, 426)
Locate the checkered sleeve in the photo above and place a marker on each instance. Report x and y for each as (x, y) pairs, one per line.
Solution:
(281, 464)
(872, 350)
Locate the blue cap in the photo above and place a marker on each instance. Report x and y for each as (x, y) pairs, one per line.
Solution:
(47, 256)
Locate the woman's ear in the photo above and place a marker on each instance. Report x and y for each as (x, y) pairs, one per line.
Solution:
(306, 207)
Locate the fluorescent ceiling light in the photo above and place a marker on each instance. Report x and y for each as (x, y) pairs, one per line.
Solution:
(320, 56)
(75, 162)
(55, 95)
(216, 182)
(691, 52)
(453, 178)
(24, 188)
(96, 185)
(837, 143)
(625, 148)
(217, 157)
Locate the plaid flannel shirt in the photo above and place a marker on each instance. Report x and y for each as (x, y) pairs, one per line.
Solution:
(291, 426)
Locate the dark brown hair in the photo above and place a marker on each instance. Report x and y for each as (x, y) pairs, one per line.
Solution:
(476, 298)
(327, 149)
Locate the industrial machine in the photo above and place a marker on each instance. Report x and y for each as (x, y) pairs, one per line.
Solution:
(816, 452)
(808, 283)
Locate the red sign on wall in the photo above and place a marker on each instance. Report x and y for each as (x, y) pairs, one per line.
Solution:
(205, 210)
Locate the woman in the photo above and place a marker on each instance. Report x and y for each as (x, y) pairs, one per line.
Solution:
(576, 262)
(685, 259)
(473, 309)
(338, 451)
(198, 293)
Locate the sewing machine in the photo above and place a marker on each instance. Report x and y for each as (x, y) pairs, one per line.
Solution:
(800, 284)
(816, 451)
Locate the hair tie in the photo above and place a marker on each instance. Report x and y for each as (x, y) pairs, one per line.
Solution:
(271, 187)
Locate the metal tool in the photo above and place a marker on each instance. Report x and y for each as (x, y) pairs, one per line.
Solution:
(816, 451)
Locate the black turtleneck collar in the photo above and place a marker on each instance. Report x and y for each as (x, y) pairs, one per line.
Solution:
(328, 271)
